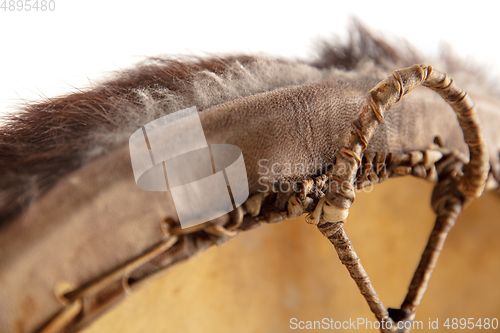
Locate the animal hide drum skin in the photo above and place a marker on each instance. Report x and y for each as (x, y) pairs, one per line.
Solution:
(77, 234)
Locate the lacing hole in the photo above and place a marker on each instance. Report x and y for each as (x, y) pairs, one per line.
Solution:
(61, 289)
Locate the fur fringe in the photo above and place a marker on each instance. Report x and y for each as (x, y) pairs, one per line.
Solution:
(48, 140)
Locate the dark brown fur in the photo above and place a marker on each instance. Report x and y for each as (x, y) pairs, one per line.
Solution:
(45, 141)
(364, 45)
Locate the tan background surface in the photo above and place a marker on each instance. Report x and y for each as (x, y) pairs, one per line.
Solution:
(261, 279)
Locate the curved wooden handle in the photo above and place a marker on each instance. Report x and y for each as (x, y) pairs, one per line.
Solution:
(380, 99)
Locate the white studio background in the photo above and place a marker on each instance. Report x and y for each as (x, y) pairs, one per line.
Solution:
(55, 52)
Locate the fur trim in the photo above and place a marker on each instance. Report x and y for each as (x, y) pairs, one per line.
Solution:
(45, 141)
